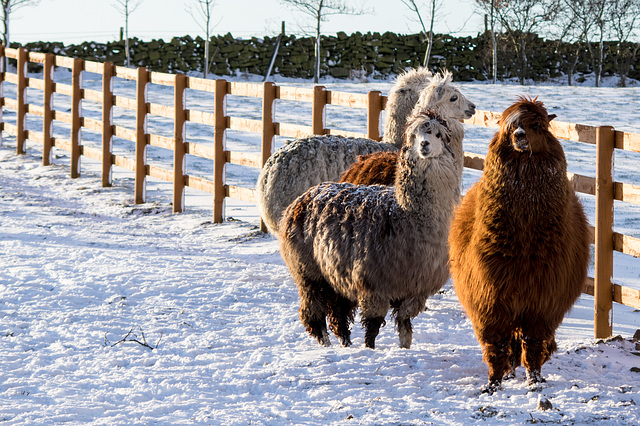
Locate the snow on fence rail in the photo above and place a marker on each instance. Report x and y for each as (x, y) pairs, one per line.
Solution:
(603, 186)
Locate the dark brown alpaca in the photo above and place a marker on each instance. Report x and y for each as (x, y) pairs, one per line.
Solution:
(378, 168)
(519, 245)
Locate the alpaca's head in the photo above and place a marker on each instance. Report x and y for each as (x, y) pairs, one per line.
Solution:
(427, 136)
(525, 125)
(443, 96)
(406, 90)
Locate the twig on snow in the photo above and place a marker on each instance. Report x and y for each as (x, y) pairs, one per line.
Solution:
(132, 337)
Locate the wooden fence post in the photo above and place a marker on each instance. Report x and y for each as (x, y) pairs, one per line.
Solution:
(374, 108)
(47, 105)
(21, 114)
(219, 155)
(107, 123)
(318, 110)
(76, 99)
(179, 129)
(268, 128)
(603, 291)
(2, 64)
(142, 81)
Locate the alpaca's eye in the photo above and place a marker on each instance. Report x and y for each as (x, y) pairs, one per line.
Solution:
(454, 98)
(439, 135)
(535, 126)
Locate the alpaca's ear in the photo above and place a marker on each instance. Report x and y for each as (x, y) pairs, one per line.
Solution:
(552, 116)
(439, 92)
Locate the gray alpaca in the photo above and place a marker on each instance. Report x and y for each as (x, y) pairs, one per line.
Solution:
(375, 247)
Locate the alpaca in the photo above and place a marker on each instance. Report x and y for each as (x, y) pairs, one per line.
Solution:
(303, 163)
(375, 246)
(519, 245)
(440, 95)
(401, 101)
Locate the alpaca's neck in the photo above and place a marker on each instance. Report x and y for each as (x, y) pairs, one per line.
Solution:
(394, 128)
(524, 182)
(457, 136)
(427, 186)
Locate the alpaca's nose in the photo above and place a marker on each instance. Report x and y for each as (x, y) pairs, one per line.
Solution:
(519, 132)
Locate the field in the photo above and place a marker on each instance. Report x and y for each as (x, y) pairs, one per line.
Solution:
(116, 313)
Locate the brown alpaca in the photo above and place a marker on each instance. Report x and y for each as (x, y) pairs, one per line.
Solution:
(519, 245)
(378, 168)
(375, 247)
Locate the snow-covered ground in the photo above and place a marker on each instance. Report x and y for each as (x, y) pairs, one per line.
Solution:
(86, 273)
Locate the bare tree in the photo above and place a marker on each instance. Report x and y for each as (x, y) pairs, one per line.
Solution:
(490, 8)
(599, 10)
(126, 8)
(624, 22)
(413, 6)
(202, 12)
(320, 10)
(8, 7)
(520, 19)
(568, 36)
(589, 17)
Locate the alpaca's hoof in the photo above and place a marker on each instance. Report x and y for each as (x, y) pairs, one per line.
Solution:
(534, 377)
(346, 341)
(510, 375)
(405, 344)
(324, 339)
(491, 387)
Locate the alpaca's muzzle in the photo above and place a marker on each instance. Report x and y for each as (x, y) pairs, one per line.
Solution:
(520, 140)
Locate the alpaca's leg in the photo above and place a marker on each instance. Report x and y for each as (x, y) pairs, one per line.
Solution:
(538, 343)
(403, 311)
(533, 357)
(405, 332)
(497, 350)
(550, 347)
(515, 355)
(371, 330)
(340, 318)
(374, 308)
(313, 308)
(537, 351)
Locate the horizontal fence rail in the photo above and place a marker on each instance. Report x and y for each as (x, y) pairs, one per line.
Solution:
(602, 186)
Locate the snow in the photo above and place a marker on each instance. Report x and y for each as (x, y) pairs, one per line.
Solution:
(83, 266)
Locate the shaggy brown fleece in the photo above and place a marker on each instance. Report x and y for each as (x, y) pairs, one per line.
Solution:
(378, 168)
(519, 245)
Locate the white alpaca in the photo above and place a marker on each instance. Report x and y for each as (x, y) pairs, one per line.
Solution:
(445, 98)
(303, 163)
(440, 95)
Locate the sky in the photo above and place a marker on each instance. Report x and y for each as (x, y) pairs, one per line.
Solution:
(74, 21)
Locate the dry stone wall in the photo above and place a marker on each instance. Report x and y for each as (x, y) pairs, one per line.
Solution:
(370, 55)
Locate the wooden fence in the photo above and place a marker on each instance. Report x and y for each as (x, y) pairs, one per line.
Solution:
(603, 186)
